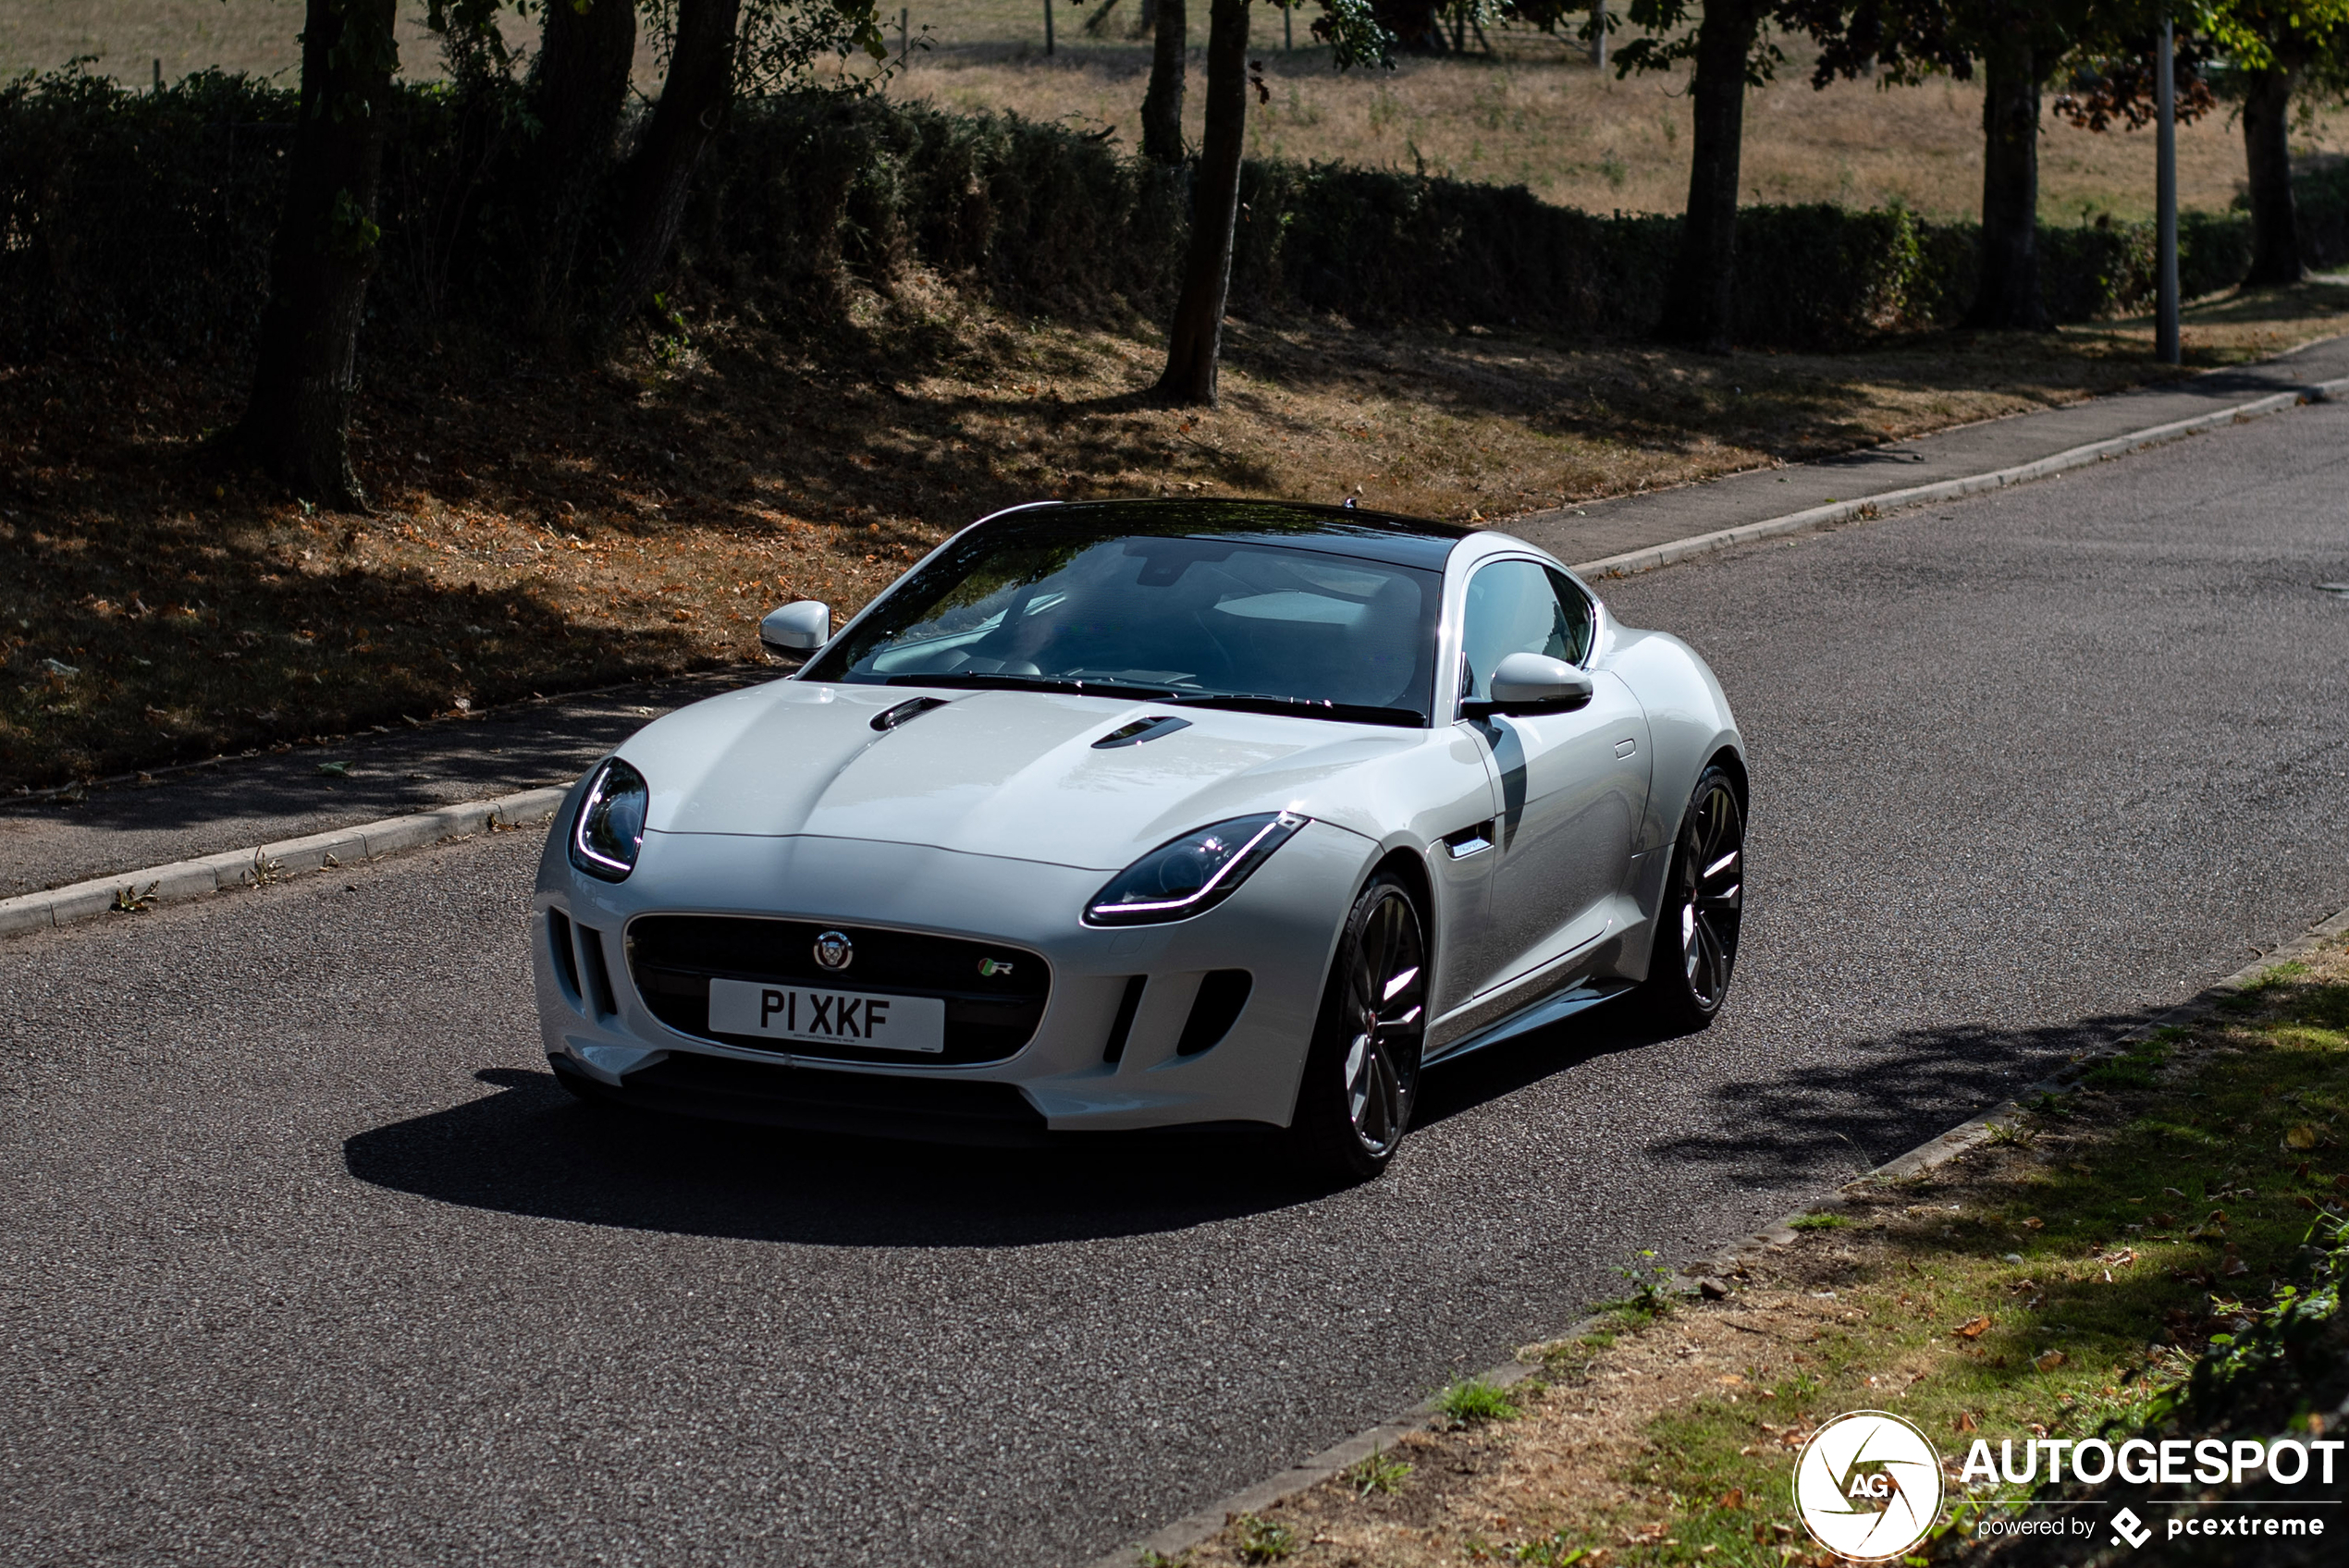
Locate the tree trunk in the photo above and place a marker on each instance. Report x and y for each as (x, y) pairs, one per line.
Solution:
(2006, 296)
(701, 80)
(2275, 222)
(1162, 105)
(1699, 298)
(1197, 337)
(578, 88)
(296, 420)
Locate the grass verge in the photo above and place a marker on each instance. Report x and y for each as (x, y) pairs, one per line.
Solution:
(2064, 1281)
(541, 528)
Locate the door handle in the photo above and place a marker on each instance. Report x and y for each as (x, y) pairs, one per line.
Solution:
(1626, 747)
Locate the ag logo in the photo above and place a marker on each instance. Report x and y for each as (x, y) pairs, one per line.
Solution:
(1868, 1485)
(834, 950)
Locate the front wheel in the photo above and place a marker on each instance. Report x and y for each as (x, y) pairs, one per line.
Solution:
(1696, 928)
(1362, 1073)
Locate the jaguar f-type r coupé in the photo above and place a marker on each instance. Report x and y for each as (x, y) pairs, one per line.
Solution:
(1144, 814)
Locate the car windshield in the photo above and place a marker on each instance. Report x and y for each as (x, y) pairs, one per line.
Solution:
(1236, 620)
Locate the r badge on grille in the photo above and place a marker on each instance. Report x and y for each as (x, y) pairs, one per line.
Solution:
(834, 950)
(992, 967)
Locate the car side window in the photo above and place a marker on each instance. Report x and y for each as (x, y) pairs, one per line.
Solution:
(1519, 608)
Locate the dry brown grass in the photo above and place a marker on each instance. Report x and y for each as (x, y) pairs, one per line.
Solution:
(1535, 114)
(545, 531)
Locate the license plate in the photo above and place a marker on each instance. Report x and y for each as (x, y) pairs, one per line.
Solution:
(831, 1018)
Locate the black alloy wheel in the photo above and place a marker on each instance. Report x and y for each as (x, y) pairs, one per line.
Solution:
(1362, 1073)
(1696, 929)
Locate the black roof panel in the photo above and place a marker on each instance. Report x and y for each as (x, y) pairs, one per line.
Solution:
(1343, 530)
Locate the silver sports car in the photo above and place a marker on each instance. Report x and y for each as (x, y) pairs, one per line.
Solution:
(1148, 813)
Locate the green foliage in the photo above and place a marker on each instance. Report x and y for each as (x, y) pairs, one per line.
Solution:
(1376, 1473)
(1818, 1222)
(1264, 1540)
(145, 219)
(1472, 1402)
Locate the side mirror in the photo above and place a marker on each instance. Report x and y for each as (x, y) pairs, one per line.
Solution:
(1532, 683)
(797, 630)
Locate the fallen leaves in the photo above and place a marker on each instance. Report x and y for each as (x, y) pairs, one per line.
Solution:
(2302, 1136)
(1973, 1328)
(2047, 1361)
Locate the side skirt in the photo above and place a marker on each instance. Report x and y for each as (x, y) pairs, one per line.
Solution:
(1536, 1015)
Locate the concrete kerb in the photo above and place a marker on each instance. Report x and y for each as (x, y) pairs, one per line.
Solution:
(1711, 1276)
(1865, 507)
(187, 879)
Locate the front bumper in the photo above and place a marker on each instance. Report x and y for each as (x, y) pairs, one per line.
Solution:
(1281, 927)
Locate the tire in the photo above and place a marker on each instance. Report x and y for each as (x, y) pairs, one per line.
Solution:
(1362, 1071)
(1704, 903)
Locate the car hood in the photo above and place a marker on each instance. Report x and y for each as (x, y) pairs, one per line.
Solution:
(996, 773)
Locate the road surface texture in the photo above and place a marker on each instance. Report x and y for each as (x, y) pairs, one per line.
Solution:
(304, 1259)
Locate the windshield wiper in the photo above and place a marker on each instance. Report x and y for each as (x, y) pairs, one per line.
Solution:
(1031, 684)
(1298, 707)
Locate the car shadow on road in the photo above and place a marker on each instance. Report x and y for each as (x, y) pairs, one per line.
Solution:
(531, 1150)
(1887, 1095)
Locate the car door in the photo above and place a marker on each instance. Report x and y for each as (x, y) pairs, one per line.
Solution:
(1572, 784)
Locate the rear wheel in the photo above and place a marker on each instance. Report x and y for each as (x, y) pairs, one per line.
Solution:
(1362, 1073)
(1696, 929)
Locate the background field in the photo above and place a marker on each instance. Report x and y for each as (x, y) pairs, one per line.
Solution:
(1534, 112)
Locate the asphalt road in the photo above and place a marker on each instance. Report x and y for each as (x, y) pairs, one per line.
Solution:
(303, 1258)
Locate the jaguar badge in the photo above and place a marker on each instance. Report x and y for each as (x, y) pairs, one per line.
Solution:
(992, 967)
(834, 950)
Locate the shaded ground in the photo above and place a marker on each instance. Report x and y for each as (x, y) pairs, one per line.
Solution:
(541, 528)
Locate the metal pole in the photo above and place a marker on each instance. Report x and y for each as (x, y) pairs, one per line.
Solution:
(1048, 27)
(2165, 197)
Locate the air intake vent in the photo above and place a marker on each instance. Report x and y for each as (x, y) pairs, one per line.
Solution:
(558, 949)
(1215, 1010)
(591, 969)
(1127, 1006)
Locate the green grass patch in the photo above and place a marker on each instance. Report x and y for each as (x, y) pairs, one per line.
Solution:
(2068, 1288)
(1471, 1401)
(1819, 1223)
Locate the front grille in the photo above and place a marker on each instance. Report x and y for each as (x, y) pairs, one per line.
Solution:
(989, 1016)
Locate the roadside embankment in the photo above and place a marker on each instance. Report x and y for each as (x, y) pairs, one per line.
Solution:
(2156, 1256)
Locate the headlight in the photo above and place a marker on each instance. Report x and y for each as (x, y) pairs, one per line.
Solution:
(1195, 872)
(610, 828)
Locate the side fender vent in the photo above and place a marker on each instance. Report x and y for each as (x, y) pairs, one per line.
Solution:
(1217, 1007)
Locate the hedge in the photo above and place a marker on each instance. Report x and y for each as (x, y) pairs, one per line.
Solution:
(144, 219)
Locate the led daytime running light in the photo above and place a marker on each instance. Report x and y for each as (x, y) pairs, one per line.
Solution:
(609, 792)
(1234, 869)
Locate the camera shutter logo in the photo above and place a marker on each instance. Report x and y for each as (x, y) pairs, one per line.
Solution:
(1868, 1486)
(834, 950)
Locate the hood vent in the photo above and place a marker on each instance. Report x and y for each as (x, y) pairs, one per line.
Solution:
(1140, 730)
(890, 719)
